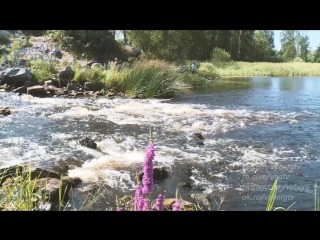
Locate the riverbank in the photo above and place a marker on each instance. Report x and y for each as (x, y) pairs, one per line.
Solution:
(138, 78)
(264, 69)
(143, 79)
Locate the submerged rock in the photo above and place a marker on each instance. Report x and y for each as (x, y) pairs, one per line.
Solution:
(5, 111)
(198, 138)
(198, 135)
(159, 173)
(89, 143)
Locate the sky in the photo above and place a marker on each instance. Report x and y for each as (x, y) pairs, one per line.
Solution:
(314, 39)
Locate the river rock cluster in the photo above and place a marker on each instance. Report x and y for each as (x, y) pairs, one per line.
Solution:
(20, 80)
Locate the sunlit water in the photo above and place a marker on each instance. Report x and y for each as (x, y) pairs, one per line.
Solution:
(255, 130)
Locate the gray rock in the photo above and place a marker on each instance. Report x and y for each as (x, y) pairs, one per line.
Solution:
(96, 65)
(15, 75)
(88, 143)
(159, 173)
(51, 186)
(72, 87)
(22, 89)
(66, 74)
(37, 91)
(30, 83)
(88, 86)
(89, 64)
(48, 83)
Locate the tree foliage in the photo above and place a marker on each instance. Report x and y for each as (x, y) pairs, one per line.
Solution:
(93, 44)
(181, 45)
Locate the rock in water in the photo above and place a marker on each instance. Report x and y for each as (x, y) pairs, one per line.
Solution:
(37, 91)
(198, 138)
(88, 143)
(159, 173)
(5, 111)
(198, 135)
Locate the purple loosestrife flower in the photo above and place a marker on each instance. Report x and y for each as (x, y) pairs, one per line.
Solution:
(148, 170)
(120, 209)
(147, 205)
(138, 200)
(177, 205)
(159, 203)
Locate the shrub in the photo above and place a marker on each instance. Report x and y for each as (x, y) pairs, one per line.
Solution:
(152, 78)
(220, 57)
(43, 71)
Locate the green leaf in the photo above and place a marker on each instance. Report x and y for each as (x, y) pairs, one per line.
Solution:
(272, 195)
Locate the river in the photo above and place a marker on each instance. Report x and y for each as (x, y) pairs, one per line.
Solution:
(256, 130)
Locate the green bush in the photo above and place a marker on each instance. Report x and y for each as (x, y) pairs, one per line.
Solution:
(96, 75)
(220, 57)
(152, 78)
(297, 59)
(43, 71)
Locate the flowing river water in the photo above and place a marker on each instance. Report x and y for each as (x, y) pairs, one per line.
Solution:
(255, 129)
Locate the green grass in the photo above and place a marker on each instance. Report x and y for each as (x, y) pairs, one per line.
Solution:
(292, 69)
(43, 71)
(154, 78)
(20, 193)
(272, 197)
(262, 69)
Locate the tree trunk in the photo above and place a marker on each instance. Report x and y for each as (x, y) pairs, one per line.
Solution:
(125, 40)
(239, 43)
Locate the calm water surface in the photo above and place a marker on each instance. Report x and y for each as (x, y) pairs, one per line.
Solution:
(255, 129)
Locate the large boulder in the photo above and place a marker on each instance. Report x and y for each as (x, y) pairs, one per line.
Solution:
(15, 76)
(30, 83)
(37, 91)
(66, 74)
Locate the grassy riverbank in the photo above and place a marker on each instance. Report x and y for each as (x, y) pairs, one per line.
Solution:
(153, 78)
(292, 69)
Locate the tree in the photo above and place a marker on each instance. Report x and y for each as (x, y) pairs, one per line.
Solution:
(303, 45)
(288, 44)
(263, 44)
(316, 55)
